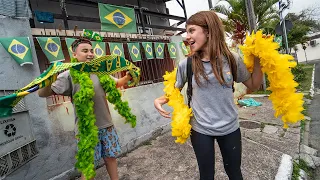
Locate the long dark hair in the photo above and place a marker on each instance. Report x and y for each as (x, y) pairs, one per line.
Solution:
(217, 47)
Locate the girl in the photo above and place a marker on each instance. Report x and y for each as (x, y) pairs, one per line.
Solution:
(215, 115)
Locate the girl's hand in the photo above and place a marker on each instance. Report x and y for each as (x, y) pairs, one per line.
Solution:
(158, 105)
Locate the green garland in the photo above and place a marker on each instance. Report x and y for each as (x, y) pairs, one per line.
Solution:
(114, 97)
(87, 131)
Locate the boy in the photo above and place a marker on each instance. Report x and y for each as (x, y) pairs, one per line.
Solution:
(108, 147)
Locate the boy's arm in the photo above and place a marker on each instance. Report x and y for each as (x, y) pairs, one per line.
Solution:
(45, 92)
(124, 80)
(62, 86)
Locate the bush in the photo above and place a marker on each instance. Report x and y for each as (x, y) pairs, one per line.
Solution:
(299, 73)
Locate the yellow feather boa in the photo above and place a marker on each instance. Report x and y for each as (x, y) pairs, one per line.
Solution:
(286, 102)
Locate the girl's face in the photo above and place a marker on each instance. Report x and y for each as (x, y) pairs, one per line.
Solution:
(197, 37)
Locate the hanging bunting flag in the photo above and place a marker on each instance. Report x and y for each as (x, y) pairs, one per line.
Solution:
(134, 49)
(87, 33)
(116, 49)
(69, 41)
(172, 50)
(147, 46)
(117, 18)
(159, 48)
(99, 48)
(96, 37)
(184, 49)
(19, 49)
(51, 47)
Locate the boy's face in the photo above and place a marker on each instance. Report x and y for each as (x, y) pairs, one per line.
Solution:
(84, 52)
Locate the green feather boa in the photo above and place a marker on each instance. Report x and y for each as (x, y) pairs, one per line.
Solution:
(87, 131)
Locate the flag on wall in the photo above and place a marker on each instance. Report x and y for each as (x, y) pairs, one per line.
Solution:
(19, 49)
(147, 46)
(69, 41)
(184, 48)
(116, 49)
(117, 18)
(172, 50)
(99, 48)
(51, 47)
(134, 50)
(159, 48)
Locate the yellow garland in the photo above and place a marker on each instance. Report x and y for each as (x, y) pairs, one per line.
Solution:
(286, 102)
(181, 113)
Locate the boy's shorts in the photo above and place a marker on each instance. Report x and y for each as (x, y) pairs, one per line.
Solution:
(108, 145)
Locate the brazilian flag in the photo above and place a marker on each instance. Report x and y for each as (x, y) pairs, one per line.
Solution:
(134, 49)
(51, 47)
(147, 46)
(172, 50)
(184, 48)
(99, 48)
(117, 18)
(159, 48)
(19, 49)
(69, 41)
(116, 49)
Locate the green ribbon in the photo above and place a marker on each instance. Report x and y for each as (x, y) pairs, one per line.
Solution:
(104, 65)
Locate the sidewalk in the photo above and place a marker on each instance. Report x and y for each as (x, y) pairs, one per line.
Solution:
(263, 139)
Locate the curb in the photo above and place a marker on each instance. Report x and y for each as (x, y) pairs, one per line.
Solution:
(285, 168)
(312, 82)
(256, 95)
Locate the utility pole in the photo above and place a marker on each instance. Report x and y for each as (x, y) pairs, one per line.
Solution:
(210, 4)
(282, 7)
(250, 15)
(252, 27)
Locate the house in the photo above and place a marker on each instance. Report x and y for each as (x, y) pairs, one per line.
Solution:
(309, 52)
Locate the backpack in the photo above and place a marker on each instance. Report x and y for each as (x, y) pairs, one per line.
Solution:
(189, 78)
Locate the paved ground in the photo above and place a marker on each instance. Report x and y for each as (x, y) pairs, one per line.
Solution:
(264, 142)
(314, 113)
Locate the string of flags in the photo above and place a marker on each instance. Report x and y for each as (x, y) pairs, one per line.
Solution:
(20, 50)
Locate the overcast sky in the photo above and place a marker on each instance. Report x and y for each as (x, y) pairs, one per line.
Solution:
(193, 6)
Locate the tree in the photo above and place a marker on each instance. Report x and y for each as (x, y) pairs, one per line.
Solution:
(303, 23)
(237, 22)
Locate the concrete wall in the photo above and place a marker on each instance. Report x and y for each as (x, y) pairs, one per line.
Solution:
(312, 53)
(52, 148)
(82, 10)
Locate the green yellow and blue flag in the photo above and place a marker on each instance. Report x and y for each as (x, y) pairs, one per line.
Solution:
(51, 46)
(19, 49)
(159, 48)
(184, 48)
(116, 49)
(172, 50)
(117, 18)
(134, 50)
(99, 48)
(148, 51)
(69, 42)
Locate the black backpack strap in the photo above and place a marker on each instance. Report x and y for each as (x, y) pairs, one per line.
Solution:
(189, 78)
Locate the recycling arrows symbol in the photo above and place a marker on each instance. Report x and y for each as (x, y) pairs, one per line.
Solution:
(10, 130)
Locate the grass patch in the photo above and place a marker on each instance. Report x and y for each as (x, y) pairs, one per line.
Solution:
(305, 111)
(306, 84)
(262, 92)
(301, 164)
